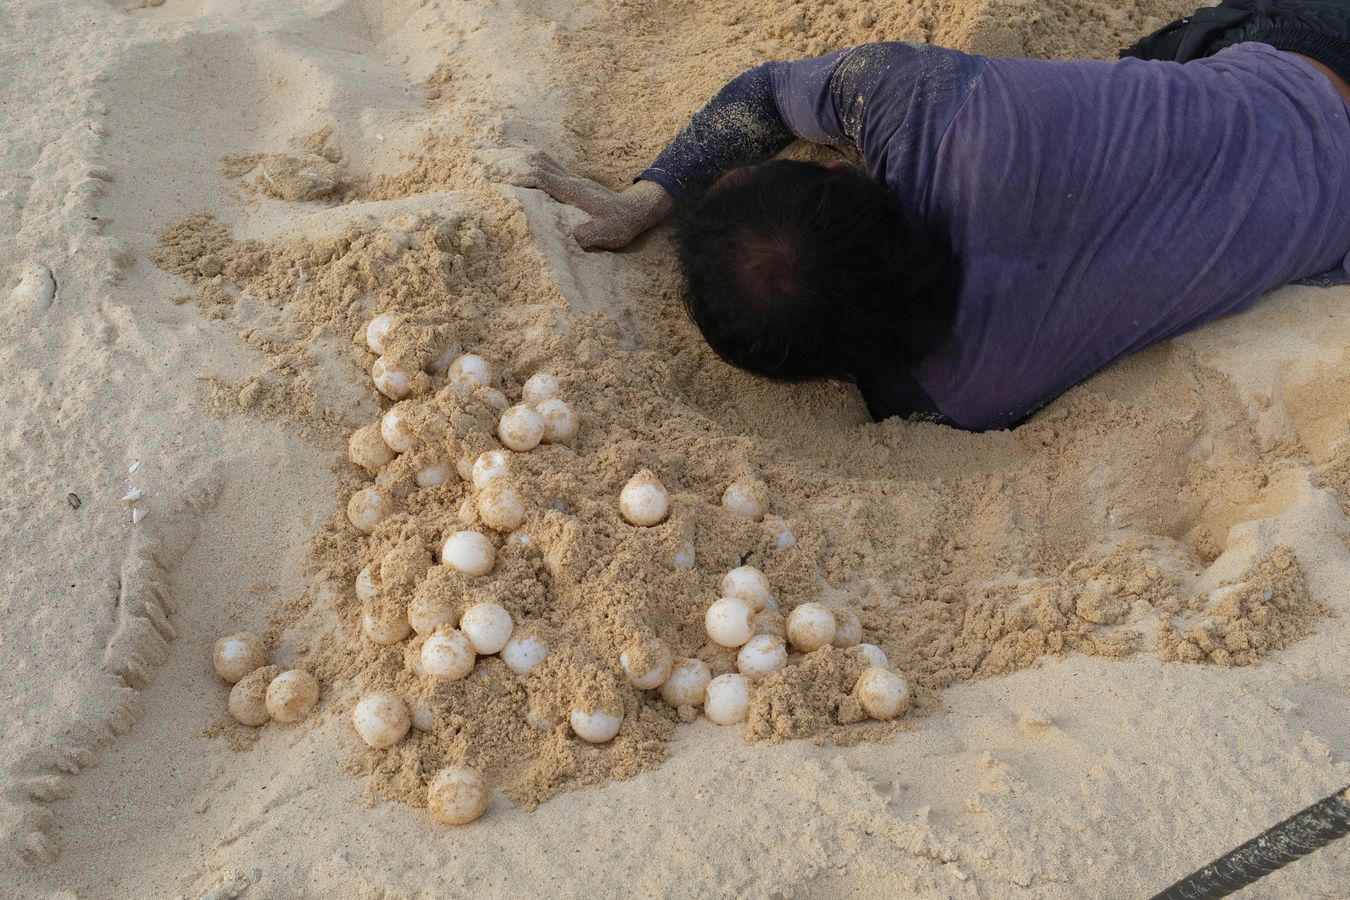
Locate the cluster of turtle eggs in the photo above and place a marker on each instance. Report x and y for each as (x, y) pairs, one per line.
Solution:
(261, 692)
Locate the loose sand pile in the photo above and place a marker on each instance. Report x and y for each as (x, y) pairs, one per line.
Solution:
(1188, 506)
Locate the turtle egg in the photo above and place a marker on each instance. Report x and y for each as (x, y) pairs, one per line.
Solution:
(749, 584)
(441, 364)
(874, 655)
(384, 626)
(428, 611)
(457, 796)
(685, 557)
(433, 475)
(468, 552)
(596, 726)
(366, 589)
(745, 498)
(520, 428)
(501, 506)
(778, 529)
(237, 655)
(881, 693)
(366, 509)
(248, 698)
(381, 719)
(728, 621)
(367, 449)
(397, 431)
(522, 654)
(494, 398)
(644, 500)
(539, 387)
(377, 330)
(423, 716)
(770, 621)
(487, 626)
(810, 627)
(393, 383)
(646, 663)
(762, 655)
(687, 682)
(727, 700)
(560, 423)
(847, 628)
(490, 466)
(447, 653)
(291, 696)
(469, 370)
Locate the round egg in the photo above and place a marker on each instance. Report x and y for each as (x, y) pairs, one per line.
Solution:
(520, 428)
(490, 466)
(457, 796)
(770, 621)
(874, 656)
(381, 719)
(646, 663)
(560, 423)
(384, 625)
(366, 589)
(367, 449)
(881, 693)
(366, 509)
(422, 715)
(745, 498)
(848, 630)
(778, 529)
(727, 700)
(377, 330)
(595, 726)
(749, 584)
(291, 696)
(441, 364)
(397, 431)
(810, 627)
(237, 655)
(762, 655)
(468, 552)
(447, 654)
(248, 698)
(728, 621)
(523, 652)
(687, 682)
(487, 626)
(393, 383)
(470, 370)
(427, 611)
(501, 506)
(433, 474)
(644, 500)
(539, 387)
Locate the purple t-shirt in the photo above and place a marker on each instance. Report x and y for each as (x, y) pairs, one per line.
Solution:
(1094, 208)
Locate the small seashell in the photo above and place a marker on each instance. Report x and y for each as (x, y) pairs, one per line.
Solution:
(134, 466)
(137, 514)
(132, 496)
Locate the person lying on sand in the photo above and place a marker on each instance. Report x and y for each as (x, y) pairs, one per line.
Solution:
(1016, 224)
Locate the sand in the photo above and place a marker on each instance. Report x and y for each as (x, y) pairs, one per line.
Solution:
(1123, 623)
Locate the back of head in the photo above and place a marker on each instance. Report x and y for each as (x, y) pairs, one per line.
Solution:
(798, 271)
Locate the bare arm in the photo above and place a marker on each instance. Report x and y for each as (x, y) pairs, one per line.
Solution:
(617, 217)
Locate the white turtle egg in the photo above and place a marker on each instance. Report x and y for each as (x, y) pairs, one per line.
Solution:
(489, 466)
(237, 655)
(381, 719)
(467, 513)
(874, 655)
(457, 796)
(728, 621)
(595, 726)
(291, 696)
(881, 693)
(494, 398)
(762, 655)
(366, 589)
(469, 370)
(687, 683)
(749, 584)
(848, 629)
(367, 448)
(727, 700)
(397, 431)
(468, 552)
(644, 500)
(539, 387)
(422, 716)
(646, 663)
(447, 653)
(745, 498)
(441, 364)
(523, 652)
(248, 697)
(560, 423)
(366, 509)
(810, 627)
(685, 556)
(501, 506)
(428, 611)
(377, 330)
(487, 626)
(520, 428)
(433, 474)
(393, 383)
(778, 529)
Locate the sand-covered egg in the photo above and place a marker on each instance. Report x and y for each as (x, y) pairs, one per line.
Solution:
(881, 693)
(646, 663)
(457, 796)
(595, 726)
(523, 652)
(367, 508)
(560, 422)
(248, 698)
(433, 474)
(383, 624)
(470, 370)
(381, 719)
(762, 655)
(487, 626)
(392, 382)
(501, 506)
(490, 466)
(367, 449)
(447, 653)
(468, 552)
(539, 387)
(848, 630)
(644, 500)
(728, 621)
(520, 428)
(727, 699)
(377, 331)
(874, 656)
(688, 680)
(749, 584)
(810, 627)
(238, 654)
(746, 497)
(397, 430)
(427, 611)
(292, 695)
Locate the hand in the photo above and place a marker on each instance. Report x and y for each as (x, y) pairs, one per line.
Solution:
(617, 217)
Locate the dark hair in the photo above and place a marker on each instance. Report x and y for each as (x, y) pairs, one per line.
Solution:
(798, 271)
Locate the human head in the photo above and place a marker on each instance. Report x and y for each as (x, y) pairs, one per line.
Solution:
(798, 271)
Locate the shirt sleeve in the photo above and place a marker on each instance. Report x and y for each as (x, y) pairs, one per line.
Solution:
(825, 100)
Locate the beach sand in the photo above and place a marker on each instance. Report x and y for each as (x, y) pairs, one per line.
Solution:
(1124, 623)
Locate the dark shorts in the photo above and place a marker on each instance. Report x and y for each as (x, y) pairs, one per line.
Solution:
(1316, 28)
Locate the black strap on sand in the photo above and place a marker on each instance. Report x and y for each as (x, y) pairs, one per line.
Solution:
(1292, 839)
